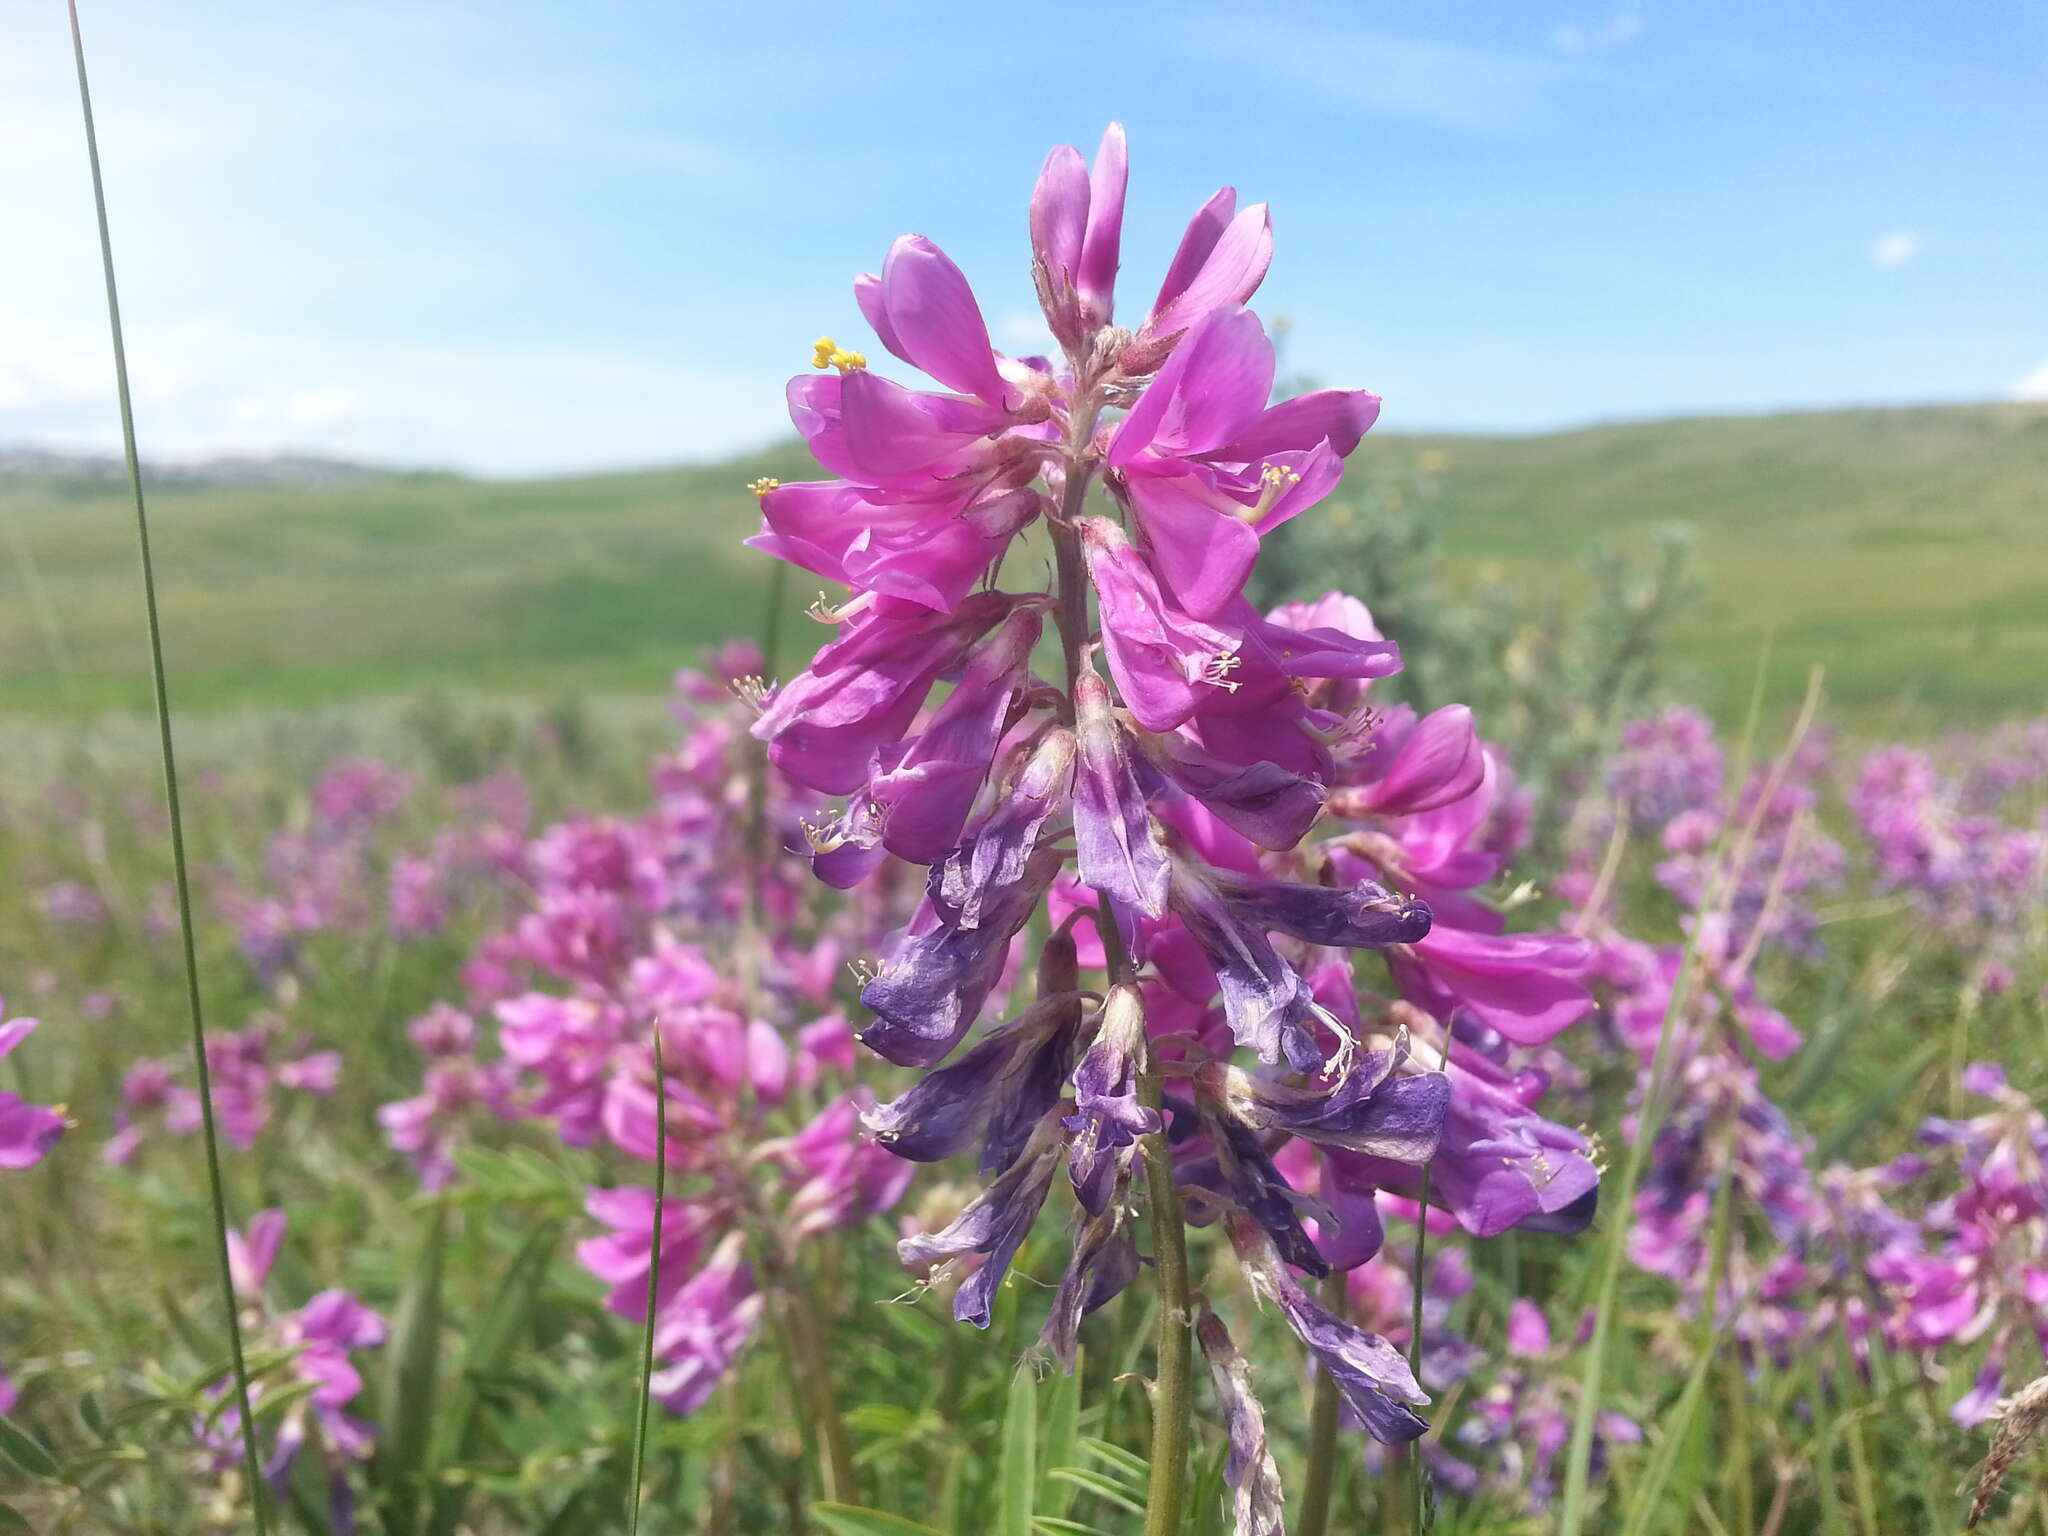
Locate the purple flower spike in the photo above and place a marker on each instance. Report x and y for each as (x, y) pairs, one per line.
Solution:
(1107, 1118)
(927, 549)
(1011, 1079)
(931, 989)
(995, 857)
(1363, 916)
(1116, 850)
(1255, 1496)
(1370, 1109)
(861, 692)
(995, 1225)
(1268, 1006)
(926, 793)
(1251, 1180)
(1371, 1378)
(1104, 1261)
(1271, 805)
(1166, 664)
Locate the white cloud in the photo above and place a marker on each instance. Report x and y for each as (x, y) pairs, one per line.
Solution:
(1394, 75)
(1896, 249)
(310, 407)
(1622, 27)
(499, 409)
(2032, 385)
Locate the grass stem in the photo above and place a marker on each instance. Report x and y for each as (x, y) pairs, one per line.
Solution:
(195, 1011)
(653, 1283)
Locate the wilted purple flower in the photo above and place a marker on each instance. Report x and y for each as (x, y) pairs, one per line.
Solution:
(1254, 1480)
(1371, 1378)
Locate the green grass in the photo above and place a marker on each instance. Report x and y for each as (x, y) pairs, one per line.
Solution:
(1905, 550)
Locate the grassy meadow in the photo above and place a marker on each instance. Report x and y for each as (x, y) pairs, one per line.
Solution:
(504, 651)
(1906, 551)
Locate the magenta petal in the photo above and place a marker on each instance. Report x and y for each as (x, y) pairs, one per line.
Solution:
(1217, 380)
(933, 315)
(1230, 273)
(1441, 761)
(1340, 416)
(1059, 212)
(1204, 555)
(13, 1032)
(27, 1132)
(1523, 985)
(1203, 231)
(867, 293)
(1095, 275)
(891, 430)
(1158, 654)
(1528, 1332)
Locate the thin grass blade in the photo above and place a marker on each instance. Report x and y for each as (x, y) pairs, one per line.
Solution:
(653, 1283)
(181, 880)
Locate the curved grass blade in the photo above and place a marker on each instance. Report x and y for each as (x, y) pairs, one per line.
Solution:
(504, 1324)
(258, 1503)
(653, 1282)
(408, 1404)
(1017, 1466)
(848, 1520)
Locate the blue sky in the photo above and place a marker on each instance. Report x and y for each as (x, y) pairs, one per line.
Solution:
(515, 238)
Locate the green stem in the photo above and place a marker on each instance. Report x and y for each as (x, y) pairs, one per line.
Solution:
(1172, 1396)
(258, 1504)
(1319, 1481)
(1419, 1476)
(653, 1283)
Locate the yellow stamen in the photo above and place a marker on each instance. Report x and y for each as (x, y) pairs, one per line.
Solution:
(1218, 669)
(1274, 480)
(827, 353)
(764, 485)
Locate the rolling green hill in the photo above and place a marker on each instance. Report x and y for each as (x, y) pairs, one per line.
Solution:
(1906, 550)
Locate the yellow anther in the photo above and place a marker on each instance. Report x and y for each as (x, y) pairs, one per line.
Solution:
(827, 353)
(764, 485)
(1274, 479)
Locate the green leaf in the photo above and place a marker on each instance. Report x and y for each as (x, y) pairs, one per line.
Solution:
(1130, 1463)
(26, 1451)
(11, 1519)
(1062, 1435)
(1017, 1465)
(90, 1416)
(847, 1520)
(496, 1338)
(408, 1398)
(1102, 1487)
(1050, 1525)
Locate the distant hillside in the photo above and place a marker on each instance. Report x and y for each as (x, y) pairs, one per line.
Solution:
(1907, 550)
(57, 469)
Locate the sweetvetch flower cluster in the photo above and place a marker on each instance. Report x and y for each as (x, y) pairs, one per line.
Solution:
(620, 935)
(1155, 797)
(320, 1338)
